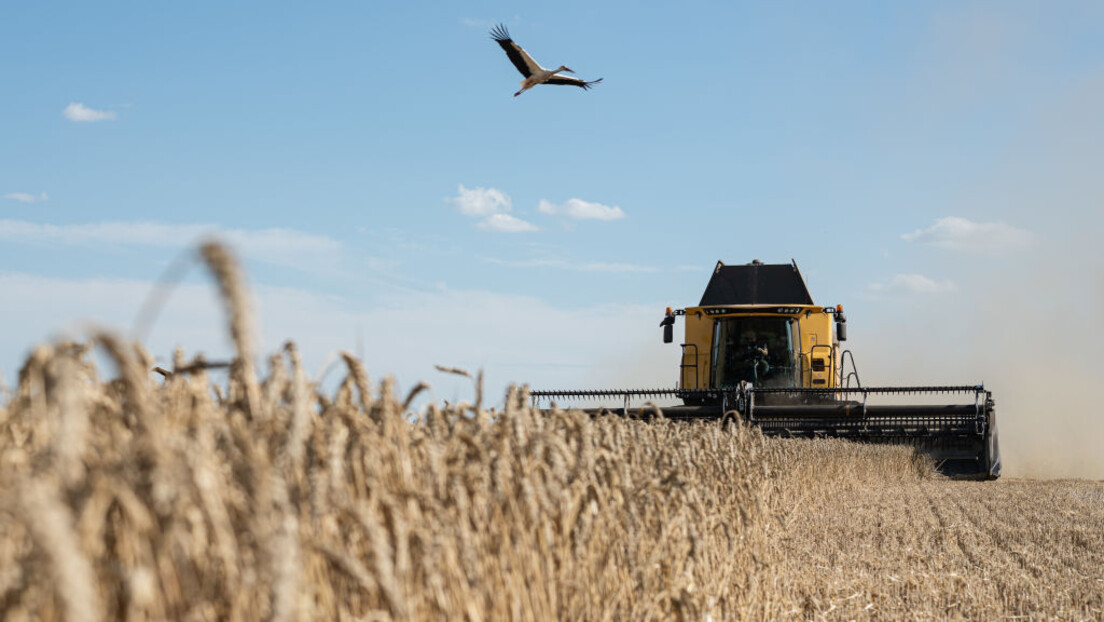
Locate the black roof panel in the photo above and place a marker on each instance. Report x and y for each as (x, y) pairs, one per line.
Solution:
(756, 284)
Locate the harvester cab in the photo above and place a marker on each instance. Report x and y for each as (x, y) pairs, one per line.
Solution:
(758, 348)
(757, 326)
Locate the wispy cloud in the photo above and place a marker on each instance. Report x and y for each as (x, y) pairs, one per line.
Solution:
(506, 224)
(590, 266)
(274, 245)
(24, 197)
(440, 325)
(477, 23)
(961, 234)
(579, 209)
(79, 113)
(161, 234)
(492, 206)
(912, 284)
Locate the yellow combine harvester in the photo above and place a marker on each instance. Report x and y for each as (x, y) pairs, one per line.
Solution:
(758, 348)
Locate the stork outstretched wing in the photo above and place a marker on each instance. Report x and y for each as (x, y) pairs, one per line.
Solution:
(524, 63)
(568, 80)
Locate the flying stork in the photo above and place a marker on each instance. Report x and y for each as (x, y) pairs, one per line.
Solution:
(533, 72)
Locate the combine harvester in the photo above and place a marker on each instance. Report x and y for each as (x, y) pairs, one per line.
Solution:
(758, 349)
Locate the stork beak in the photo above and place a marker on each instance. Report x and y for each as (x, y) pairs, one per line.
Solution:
(568, 70)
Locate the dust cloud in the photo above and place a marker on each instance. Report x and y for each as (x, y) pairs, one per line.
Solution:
(1024, 326)
(1041, 347)
(1024, 320)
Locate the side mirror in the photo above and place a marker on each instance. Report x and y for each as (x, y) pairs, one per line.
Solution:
(668, 325)
(841, 331)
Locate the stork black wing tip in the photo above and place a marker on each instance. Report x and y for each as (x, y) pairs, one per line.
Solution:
(499, 33)
(586, 85)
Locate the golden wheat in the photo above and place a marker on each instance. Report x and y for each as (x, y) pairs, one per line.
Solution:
(268, 498)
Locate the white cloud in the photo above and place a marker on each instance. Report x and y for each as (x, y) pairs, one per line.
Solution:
(493, 206)
(286, 247)
(582, 210)
(966, 235)
(24, 197)
(912, 284)
(481, 201)
(507, 224)
(79, 113)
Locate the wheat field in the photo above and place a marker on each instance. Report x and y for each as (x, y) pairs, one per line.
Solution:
(141, 497)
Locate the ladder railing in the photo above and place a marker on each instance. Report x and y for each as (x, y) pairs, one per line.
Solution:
(692, 349)
(845, 379)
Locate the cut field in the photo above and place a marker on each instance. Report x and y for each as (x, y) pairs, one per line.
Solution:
(928, 548)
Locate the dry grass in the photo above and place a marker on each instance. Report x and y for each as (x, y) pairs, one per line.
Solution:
(263, 498)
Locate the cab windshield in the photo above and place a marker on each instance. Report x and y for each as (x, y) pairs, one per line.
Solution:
(756, 349)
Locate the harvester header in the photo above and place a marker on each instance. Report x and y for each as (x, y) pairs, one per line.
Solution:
(757, 348)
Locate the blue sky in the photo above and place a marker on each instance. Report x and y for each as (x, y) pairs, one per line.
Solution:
(933, 166)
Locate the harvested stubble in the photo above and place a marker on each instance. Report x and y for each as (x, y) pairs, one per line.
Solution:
(871, 540)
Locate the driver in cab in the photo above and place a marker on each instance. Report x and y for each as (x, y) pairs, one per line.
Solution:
(755, 352)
